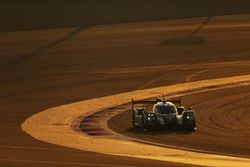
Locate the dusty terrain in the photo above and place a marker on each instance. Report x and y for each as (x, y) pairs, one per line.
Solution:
(48, 67)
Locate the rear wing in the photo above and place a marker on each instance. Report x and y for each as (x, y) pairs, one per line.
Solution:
(175, 101)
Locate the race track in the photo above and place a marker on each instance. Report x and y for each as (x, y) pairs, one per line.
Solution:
(55, 126)
(222, 124)
(54, 67)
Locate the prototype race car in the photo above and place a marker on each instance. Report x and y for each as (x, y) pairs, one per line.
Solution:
(164, 114)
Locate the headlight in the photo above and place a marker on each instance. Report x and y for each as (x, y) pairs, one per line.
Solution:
(150, 115)
(190, 117)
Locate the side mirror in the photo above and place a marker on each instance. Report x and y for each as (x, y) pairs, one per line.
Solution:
(180, 110)
(190, 108)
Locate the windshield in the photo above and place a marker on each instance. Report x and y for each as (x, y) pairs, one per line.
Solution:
(165, 109)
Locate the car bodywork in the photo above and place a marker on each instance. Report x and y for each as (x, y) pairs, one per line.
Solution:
(164, 114)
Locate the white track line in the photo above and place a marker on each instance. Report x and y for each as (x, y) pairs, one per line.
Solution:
(41, 126)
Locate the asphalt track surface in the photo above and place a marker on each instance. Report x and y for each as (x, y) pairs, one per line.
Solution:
(222, 124)
(57, 125)
(36, 14)
(38, 81)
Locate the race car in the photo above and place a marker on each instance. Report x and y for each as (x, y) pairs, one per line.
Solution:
(165, 114)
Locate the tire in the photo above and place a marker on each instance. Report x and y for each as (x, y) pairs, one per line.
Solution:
(134, 125)
(144, 123)
(191, 127)
(133, 120)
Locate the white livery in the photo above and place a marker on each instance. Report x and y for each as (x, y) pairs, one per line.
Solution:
(163, 114)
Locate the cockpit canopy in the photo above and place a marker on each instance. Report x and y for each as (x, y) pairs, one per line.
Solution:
(164, 108)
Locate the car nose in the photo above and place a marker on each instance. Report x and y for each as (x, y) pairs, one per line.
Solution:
(169, 119)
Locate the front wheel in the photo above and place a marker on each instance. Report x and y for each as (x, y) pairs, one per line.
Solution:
(133, 120)
(144, 123)
(191, 127)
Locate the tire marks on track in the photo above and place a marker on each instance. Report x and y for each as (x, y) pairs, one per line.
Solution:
(190, 77)
(95, 124)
